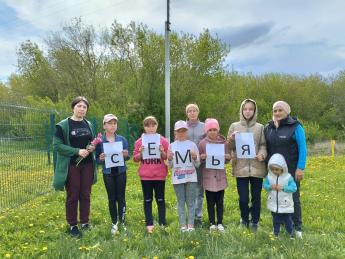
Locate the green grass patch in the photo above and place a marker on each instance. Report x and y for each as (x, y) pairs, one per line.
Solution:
(38, 229)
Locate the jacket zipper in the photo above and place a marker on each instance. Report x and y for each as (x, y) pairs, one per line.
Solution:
(277, 193)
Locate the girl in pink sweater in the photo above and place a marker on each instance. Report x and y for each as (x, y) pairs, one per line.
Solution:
(152, 173)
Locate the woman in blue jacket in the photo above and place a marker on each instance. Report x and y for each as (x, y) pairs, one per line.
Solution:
(115, 178)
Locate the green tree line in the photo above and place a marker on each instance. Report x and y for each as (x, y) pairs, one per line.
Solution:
(121, 70)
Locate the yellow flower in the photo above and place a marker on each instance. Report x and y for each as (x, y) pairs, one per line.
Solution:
(42, 231)
(7, 255)
(191, 257)
(125, 240)
(44, 248)
(323, 234)
(274, 248)
(31, 225)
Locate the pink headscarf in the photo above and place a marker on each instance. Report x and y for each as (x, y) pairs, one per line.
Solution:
(286, 108)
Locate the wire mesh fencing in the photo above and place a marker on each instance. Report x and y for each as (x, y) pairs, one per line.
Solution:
(26, 155)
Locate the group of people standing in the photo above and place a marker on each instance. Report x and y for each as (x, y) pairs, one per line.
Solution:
(280, 158)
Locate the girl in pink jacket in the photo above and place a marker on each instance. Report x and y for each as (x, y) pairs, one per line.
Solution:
(152, 173)
(214, 181)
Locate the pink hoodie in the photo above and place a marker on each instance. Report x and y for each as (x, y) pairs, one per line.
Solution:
(151, 169)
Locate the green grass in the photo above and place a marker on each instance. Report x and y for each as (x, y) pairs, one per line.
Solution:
(38, 229)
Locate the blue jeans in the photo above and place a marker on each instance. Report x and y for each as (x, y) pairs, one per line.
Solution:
(278, 218)
(243, 192)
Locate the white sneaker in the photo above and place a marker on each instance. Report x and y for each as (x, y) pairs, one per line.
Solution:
(191, 229)
(299, 234)
(124, 226)
(221, 227)
(114, 229)
(213, 228)
(183, 229)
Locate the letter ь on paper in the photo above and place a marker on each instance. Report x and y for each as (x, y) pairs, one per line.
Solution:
(215, 156)
(245, 145)
(113, 152)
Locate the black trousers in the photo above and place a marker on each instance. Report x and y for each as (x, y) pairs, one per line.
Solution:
(159, 187)
(215, 199)
(115, 184)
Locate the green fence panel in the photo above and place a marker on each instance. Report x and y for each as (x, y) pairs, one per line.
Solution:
(26, 155)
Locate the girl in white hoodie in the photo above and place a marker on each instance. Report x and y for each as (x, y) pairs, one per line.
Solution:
(281, 185)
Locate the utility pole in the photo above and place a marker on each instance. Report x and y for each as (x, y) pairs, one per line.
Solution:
(167, 74)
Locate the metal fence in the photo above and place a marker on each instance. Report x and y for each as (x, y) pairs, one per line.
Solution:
(26, 156)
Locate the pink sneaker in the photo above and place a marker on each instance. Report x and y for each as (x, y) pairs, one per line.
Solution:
(150, 228)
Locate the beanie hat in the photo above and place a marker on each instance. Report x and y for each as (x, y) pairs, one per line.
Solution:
(284, 105)
(192, 105)
(211, 124)
(286, 108)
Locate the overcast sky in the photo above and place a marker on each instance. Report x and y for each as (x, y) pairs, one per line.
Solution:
(289, 36)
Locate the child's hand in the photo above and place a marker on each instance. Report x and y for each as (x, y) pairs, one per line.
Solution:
(125, 153)
(233, 134)
(194, 156)
(161, 149)
(102, 157)
(170, 156)
(203, 156)
(259, 157)
(227, 156)
(141, 149)
(273, 187)
(279, 187)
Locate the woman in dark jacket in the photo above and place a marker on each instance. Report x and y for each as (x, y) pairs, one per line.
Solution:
(285, 135)
(72, 136)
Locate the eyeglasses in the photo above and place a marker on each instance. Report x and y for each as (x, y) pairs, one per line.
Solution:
(192, 111)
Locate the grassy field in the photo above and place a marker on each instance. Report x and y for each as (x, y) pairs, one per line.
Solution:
(38, 229)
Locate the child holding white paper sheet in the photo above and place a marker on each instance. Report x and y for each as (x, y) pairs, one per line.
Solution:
(115, 178)
(183, 158)
(249, 171)
(214, 181)
(152, 173)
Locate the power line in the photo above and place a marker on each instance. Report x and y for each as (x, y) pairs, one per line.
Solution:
(29, 22)
(61, 21)
(9, 21)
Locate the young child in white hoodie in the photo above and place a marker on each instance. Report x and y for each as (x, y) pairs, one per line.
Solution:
(281, 185)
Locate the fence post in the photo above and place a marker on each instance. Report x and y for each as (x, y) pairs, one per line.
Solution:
(52, 130)
(332, 143)
(94, 123)
(48, 143)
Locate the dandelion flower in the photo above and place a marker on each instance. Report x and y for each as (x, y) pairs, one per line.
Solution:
(44, 248)
(7, 255)
(31, 225)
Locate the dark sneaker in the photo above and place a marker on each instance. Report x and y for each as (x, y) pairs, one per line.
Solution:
(198, 223)
(84, 227)
(244, 223)
(75, 232)
(254, 226)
